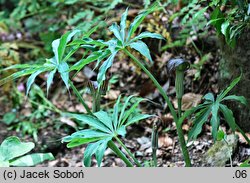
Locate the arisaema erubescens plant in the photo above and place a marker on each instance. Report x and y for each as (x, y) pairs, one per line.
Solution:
(57, 64)
(123, 41)
(104, 129)
(213, 109)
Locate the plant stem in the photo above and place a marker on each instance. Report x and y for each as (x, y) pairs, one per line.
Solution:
(179, 87)
(179, 107)
(243, 133)
(96, 102)
(79, 96)
(154, 157)
(119, 153)
(183, 145)
(162, 92)
(46, 107)
(196, 48)
(128, 151)
(154, 142)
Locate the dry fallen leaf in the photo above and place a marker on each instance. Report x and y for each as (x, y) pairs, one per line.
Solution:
(167, 119)
(112, 94)
(165, 141)
(188, 100)
(80, 108)
(80, 77)
(185, 127)
(68, 122)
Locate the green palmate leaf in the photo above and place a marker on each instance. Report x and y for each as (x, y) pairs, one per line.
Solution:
(32, 78)
(215, 120)
(32, 159)
(116, 112)
(71, 52)
(116, 30)
(100, 151)
(138, 20)
(225, 29)
(50, 79)
(59, 45)
(112, 45)
(209, 97)
(105, 119)
(90, 47)
(16, 75)
(55, 45)
(12, 147)
(104, 67)
(121, 131)
(105, 54)
(215, 107)
(147, 35)
(23, 66)
(130, 111)
(89, 41)
(229, 88)
(228, 115)
(186, 114)
(123, 25)
(124, 107)
(91, 58)
(142, 48)
(80, 141)
(51, 62)
(240, 99)
(89, 151)
(137, 118)
(103, 128)
(88, 133)
(79, 42)
(198, 123)
(63, 69)
(91, 121)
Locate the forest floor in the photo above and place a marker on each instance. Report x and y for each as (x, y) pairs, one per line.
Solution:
(138, 138)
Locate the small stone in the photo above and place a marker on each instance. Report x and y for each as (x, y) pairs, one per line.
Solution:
(200, 147)
(119, 162)
(148, 151)
(143, 140)
(196, 143)
(220, 152)
(145, 146)
(139, 154)
(108, 152)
